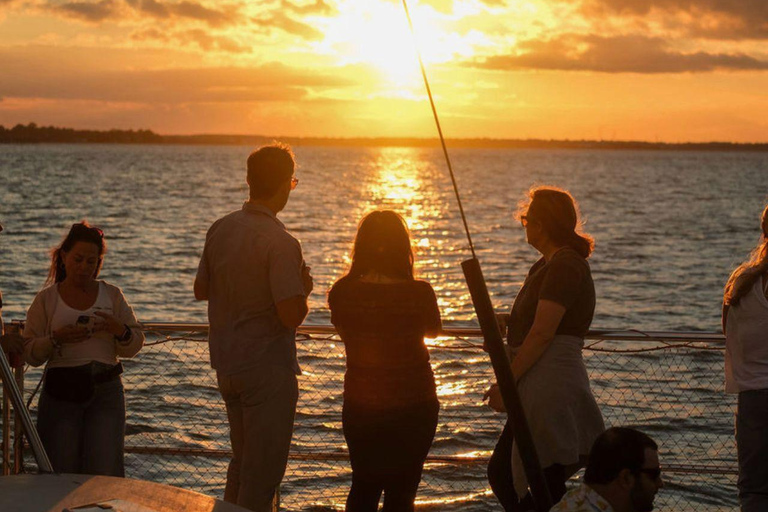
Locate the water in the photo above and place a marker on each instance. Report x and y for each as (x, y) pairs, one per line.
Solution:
(669, 226)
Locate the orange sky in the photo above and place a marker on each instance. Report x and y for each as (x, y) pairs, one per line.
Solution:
(657, 70)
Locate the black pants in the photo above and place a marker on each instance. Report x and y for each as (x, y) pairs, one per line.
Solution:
(387, 449)
(500, 476)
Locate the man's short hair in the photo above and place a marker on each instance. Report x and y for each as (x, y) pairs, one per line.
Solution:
(615, 449)
(268, 168)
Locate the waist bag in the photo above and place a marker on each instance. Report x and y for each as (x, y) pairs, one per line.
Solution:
(77, 384)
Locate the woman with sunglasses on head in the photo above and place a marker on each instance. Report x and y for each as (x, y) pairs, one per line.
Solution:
(745, 324)
(382, 315)
(545, 334)
(80, 325)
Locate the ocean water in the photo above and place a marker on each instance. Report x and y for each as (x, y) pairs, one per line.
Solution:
(669, 228)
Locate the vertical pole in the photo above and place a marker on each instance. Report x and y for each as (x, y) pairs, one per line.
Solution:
(501, 367)
(6, 431)
(18, 430)
(9, 383)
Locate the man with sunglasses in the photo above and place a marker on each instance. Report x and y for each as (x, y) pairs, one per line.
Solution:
(622, 475)
(253, 276)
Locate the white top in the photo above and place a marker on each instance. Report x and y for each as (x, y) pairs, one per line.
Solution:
(746, 342)
(38, 328)
(100, 346)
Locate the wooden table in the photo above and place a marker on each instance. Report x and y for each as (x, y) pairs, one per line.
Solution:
(55, 493)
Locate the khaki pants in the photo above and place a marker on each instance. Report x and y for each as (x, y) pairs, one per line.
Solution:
(261, 405)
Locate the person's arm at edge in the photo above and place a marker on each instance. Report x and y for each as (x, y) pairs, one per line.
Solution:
(434, 319)
(38, 343)
(125, 313)
(201, 279)
(292, 311)
(201, 288)
(545, 323)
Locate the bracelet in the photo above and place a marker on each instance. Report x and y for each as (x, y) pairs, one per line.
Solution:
(126, 336)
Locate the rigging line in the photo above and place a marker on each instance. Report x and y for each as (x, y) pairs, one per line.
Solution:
(439, 130)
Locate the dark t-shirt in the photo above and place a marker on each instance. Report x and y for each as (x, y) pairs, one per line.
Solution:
(565, 279)
(383, 328)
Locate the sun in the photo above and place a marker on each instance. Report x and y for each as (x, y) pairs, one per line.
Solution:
(377, 34)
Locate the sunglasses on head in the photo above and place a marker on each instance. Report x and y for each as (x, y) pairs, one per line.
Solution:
(80, 227)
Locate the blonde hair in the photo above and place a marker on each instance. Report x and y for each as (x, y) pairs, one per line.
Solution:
(743, 278)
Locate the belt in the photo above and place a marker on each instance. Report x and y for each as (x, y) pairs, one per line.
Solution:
(108, 375)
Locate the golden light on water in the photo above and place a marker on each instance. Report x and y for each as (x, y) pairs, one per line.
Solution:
(398, 184)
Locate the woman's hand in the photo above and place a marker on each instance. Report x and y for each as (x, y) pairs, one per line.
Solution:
(110, 323)
(502, 319)
(495, 402)
(70, 334)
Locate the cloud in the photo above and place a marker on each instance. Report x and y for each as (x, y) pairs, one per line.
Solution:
(318, 8)
(204, 39)
(281, 21)
(41, 73)
(715, 19)
(151, 7)
(87, 11)
(619, 54)
(199, 12)
(103, 10)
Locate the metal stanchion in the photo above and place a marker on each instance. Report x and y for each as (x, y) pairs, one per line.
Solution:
(10, 387)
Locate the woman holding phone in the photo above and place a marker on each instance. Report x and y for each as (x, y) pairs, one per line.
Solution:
(79, 326)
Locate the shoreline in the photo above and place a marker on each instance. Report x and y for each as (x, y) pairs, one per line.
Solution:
(33, 134)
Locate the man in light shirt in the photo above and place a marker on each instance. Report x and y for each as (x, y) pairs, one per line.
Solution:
(253, 276)
(622, 475)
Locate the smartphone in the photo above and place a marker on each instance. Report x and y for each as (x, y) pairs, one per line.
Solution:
(86, 321)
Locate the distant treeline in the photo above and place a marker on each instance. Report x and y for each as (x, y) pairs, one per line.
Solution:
(31, 133)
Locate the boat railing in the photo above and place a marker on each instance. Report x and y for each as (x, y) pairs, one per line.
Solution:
(668, 384)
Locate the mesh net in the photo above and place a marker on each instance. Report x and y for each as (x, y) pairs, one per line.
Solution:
(177, 430)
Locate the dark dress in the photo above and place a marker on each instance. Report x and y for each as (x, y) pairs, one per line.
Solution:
(559, 405)
(390, 401)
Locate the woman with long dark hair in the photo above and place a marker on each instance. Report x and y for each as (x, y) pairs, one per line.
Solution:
(79, 326)
(745, 324)
(545, 334)
(382, 315)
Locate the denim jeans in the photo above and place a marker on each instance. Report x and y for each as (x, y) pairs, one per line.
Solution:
(752, 445)
(86, 438)
(261, 405)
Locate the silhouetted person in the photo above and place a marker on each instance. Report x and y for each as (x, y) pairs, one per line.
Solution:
(745, 323)
(622, 475)
(545, 333)
(79, 326)
(390, 403)
(253, 276)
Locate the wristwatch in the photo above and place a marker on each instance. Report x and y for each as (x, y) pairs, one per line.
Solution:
(125, 336)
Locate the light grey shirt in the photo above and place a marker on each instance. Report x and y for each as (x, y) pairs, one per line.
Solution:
(746, 342)
(250, 263)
